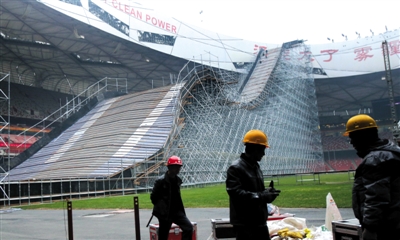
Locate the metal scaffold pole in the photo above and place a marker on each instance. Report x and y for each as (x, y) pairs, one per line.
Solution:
(388, 77)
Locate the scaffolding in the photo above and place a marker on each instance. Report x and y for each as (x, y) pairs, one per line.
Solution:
(4, 124)
(211, 111)
(218, 111)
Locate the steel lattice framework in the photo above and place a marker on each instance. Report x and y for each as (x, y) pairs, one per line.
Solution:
(215, 115)
(211, 110)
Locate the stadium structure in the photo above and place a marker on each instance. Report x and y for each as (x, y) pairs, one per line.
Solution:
(109, 89)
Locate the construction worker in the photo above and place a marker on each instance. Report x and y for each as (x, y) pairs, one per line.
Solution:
(167, 201)
(376, 189)
(248, 196)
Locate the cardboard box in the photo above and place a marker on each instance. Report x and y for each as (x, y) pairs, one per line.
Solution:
(347, 230)
(175, 233)
(222, 229)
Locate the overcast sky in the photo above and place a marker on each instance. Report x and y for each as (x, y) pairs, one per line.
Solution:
(278, 21)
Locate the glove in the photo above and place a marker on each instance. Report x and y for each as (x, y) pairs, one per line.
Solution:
(368, 235)
(268, 196)
(271, 187)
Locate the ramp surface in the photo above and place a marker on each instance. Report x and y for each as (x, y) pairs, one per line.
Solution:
(117, 133)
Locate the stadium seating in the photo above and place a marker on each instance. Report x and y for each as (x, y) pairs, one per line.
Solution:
(357, 161)
(342, 164)
(333, 143)
(31, 102)
(16, 144)
(323, 167)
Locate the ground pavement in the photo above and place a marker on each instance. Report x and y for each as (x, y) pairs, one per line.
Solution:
(114, 224)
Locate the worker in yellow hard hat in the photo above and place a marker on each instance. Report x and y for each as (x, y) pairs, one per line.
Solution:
(248, 196)
(376, 189)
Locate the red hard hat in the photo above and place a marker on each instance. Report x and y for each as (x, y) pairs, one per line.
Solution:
(174, 160)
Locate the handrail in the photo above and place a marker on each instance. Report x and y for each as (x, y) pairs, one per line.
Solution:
(150, 170)
(251, 71)
(3, 175)
(71, 106)
(255, 102)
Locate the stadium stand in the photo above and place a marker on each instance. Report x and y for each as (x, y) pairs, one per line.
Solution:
(342, 164)
(17, 144)
(32, 102)
(357, 161)
(334, 143)
(323, 167)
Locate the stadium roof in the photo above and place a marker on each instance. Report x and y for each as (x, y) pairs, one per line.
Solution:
(354, 92)
(49, 45)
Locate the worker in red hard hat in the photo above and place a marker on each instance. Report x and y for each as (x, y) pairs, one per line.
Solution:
(167, 201)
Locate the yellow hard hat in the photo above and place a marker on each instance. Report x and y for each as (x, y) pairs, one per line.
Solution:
(359, 122)
(256, 137)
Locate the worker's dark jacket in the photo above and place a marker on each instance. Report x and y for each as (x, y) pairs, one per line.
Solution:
(376, 190)
(161, 196)
(244, 180)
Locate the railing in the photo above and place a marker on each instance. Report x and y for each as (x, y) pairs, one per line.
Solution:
(3, 175)
(72, 106)
(105, 186)
(308, 177)
(263, 94)
(251, 71)
(5, 122)
(269, 178)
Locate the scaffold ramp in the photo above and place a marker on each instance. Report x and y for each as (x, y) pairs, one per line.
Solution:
(113, 136)
(258, 79)
(277, 97)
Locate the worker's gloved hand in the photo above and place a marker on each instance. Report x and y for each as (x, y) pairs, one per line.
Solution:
(273, 190)
(368, 235)
(268, 196)
(271, 187)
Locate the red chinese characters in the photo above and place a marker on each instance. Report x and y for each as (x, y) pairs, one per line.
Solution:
(394, 47)
(330, 52)
(362, 53)
(286, 54)
(306, 54)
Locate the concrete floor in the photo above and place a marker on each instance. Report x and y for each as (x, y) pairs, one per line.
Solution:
(118, 224)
